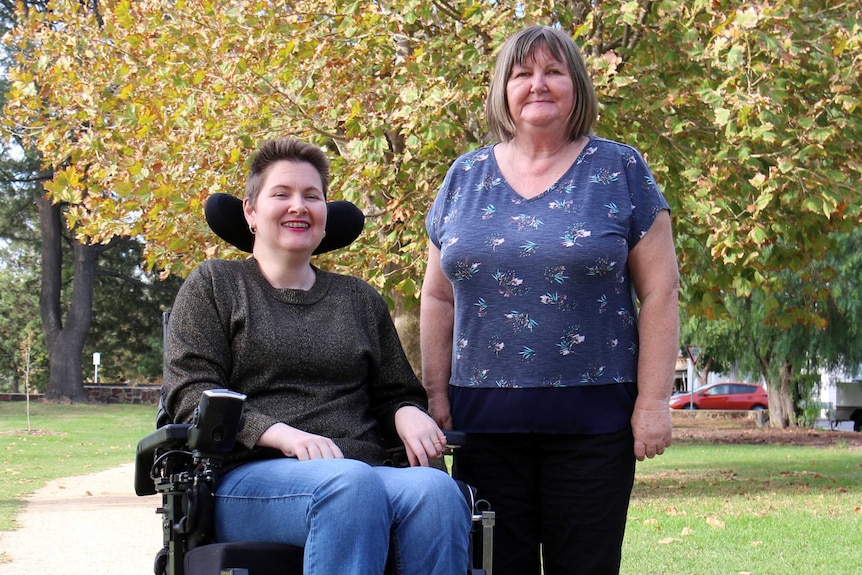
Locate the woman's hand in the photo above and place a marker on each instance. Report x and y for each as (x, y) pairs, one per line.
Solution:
(651, 427)
(422, 439)
(299, 444)
(438, 408)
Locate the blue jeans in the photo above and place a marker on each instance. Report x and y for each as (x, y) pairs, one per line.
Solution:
(345, 513)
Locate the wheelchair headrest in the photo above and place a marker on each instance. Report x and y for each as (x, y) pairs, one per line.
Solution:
(344, 223)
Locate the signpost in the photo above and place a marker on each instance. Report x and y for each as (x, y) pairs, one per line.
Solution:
(693, 352)
(97, 359)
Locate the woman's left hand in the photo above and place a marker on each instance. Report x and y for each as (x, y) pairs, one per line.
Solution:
(421, 436)
(651, 427)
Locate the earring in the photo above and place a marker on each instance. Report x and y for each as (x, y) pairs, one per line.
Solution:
(252, 229)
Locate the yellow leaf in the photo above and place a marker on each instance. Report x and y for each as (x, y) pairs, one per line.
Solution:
(715, 522)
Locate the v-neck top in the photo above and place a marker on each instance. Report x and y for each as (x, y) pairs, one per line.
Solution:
(543, 298)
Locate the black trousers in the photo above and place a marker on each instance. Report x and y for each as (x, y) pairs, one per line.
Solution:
(564, 497)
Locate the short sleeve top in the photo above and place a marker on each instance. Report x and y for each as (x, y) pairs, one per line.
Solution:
(543, 297)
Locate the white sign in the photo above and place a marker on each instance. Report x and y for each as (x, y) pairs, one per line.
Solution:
(97, 358)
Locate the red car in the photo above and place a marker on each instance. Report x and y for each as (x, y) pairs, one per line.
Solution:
(743, 396)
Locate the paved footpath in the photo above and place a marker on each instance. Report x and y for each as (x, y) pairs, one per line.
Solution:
(86, 525)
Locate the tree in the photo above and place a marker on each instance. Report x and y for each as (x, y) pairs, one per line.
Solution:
(128, 305)
(66, 297)
(758, 339)
(748, 113)
(18, 326)
(19, 281)
(719, 342)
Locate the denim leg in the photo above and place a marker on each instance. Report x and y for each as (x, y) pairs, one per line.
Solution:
(432, 521)
(337, 509)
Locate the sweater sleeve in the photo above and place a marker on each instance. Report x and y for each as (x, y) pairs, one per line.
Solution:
(393, 383)
(198, 350)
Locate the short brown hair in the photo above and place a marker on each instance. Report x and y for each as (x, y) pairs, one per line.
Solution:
(284, 149)
(521, 47)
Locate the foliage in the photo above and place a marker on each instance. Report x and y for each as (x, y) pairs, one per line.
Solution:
(748, 113)
(719, 342)
(19, 281)
(20, 332)
(756, 344)
(127, 317)
(771, 135)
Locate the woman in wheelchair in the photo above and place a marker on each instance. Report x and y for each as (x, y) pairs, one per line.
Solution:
(326, 380)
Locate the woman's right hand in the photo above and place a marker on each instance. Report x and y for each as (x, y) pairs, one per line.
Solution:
(299, 444)
(438, 408)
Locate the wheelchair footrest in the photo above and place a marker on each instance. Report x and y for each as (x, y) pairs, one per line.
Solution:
(253, 558)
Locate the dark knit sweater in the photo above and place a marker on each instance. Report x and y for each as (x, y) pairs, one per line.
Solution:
(327, 361)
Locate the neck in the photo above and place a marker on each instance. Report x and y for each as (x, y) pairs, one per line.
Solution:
(287, 273)
(537, 146)
(536, 156)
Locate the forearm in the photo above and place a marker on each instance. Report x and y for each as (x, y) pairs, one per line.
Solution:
(436, 322)
(659, 347)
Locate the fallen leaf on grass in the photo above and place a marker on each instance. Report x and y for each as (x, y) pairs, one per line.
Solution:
(686, 531)
(668, 540)
(715, 522)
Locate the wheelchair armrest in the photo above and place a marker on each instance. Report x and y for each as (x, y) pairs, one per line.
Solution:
(171, 436)
(455, 439)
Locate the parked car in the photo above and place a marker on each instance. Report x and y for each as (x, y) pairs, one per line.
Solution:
(744, 396)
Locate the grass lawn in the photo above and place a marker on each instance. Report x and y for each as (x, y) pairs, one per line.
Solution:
(65, 440)
(746, 509)
(698, 509)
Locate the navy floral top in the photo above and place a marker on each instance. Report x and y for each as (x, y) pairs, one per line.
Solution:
(542, 293)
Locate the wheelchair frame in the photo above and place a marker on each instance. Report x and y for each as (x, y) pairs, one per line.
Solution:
(180, 462)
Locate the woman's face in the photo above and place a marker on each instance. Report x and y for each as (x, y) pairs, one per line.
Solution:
(540, 92)
(290, 212)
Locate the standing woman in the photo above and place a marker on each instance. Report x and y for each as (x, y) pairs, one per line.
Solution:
(549, 320)
(326, 379)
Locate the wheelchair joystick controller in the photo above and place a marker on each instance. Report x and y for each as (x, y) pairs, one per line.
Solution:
(216, 423)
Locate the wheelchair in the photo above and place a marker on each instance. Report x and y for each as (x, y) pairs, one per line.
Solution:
(181, 461)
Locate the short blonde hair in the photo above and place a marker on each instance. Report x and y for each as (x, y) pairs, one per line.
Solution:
(518, 49)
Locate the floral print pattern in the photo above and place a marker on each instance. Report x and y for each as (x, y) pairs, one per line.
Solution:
(550, 300)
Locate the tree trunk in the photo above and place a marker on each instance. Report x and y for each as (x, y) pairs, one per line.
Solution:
(781, 414)
(703, 373)
(406, 321)
(65, 343)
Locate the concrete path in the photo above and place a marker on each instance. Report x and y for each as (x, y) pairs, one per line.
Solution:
(85, 525)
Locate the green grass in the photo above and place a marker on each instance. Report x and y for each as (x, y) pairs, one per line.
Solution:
(65, 440)
(696, 510)
(746, 509)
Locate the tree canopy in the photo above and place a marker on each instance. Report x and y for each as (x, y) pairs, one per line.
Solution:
(747, 112)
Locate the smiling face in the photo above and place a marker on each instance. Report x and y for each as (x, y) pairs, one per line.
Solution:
(540, 92)
(289, 212)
